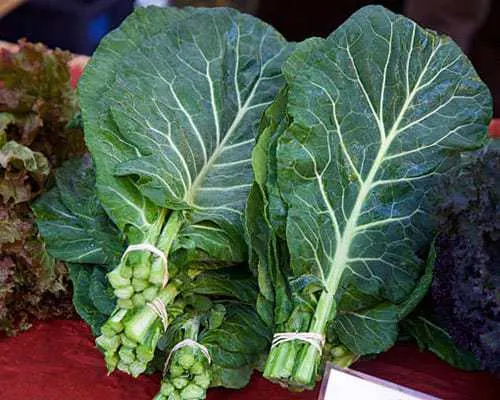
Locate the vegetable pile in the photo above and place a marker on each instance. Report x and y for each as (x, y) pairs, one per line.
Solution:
(465, 293)
(255, 204)
(37, 104)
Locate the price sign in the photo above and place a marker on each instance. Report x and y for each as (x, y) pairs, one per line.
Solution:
(346, 384)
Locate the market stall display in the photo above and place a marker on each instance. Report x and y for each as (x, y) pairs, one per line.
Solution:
(253, 204)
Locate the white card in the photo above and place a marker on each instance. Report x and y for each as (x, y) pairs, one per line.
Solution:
(346, 384)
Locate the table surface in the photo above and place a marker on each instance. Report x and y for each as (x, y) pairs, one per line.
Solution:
(58, 360)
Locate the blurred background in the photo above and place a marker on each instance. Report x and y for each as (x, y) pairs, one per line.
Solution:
(78, 25)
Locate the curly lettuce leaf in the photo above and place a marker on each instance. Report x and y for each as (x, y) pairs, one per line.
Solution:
(39, 100)
(33, 285)
(36, 103)
(23, 172)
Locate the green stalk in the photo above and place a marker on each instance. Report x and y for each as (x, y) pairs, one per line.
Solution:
(165, 241)
(309, 358)
(342, 357)
(129, 339)
(125, 304)
(115, 322)
(138, 325)
(296, 363)
(150, 293)
(120, 277)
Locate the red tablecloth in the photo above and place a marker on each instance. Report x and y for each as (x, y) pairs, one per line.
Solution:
(58, 360)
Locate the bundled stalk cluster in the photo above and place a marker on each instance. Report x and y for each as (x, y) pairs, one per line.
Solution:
(187, 368)
(209, 315)
(130, 343)
(164, 132)
(187, 376)
(219, 238)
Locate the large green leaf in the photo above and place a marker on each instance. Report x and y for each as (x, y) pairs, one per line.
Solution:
(366, 326)
(125, 204)
(225, 283)
(430, 336)
(179, 119)
(265, 215)
(92, 296)
(72, 221)
(379, 111)
(240, 339)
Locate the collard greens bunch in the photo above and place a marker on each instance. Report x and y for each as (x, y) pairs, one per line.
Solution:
(171, 104)
(252, 203)
(342, 214)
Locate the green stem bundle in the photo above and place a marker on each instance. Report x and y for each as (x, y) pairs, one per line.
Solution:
(187, 374)
(129, 338)
(139, 277)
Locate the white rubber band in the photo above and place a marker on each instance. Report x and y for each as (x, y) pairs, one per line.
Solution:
(185, 343)
(314, 339)
(152, 249)
(159, 308)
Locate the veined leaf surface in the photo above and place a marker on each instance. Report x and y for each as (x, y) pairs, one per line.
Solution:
(124, 203)
(190, 103)
(183, 115)
(71, 220)
(379, 111)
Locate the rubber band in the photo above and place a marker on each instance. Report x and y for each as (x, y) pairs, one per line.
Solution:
(186, 343)
(152, 249)
(159, 308)
(314, 339)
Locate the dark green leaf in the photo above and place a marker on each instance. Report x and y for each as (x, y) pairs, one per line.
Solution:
(72, 221)
(92, 310)
(430, 336)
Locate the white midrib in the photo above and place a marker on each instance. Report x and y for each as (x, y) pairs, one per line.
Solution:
(339, 262)
(203, 172)
(341, 257)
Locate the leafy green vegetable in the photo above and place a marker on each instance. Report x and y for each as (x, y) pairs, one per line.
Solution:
(92, 296)
(171, 130)
(465, 293)
(77, 230)
(226, 314)
(430, 336)
(223, 330)
(72, 221)
(199, 144)
(339, 195)
(371, 120)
